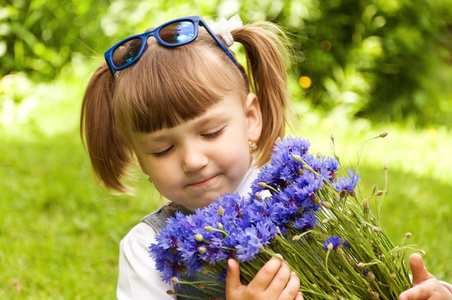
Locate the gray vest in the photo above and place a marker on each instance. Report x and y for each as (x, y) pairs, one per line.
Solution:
(157, 220)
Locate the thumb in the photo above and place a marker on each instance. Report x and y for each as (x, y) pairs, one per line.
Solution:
(418, 269)
(232, 277)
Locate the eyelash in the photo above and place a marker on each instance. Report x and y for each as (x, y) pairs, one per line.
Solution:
(213, 134)
(163, 153)
(207, 135)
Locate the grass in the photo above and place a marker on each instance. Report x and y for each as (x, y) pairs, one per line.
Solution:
(60, 231)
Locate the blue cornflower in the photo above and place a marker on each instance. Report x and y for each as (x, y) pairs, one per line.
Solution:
(283, 168)
(295, 145)
(332, 243)
(346, 244)
(306, 221)
(349, 183)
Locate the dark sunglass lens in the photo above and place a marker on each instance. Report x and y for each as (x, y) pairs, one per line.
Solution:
(177, 33)
(126, 52)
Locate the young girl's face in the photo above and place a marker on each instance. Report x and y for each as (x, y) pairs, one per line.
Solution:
(197, 161)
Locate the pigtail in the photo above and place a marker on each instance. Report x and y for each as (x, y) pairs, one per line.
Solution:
(265, 52)
(108, 153)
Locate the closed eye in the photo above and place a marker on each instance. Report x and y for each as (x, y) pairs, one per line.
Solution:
(163, 153)
(214, 134)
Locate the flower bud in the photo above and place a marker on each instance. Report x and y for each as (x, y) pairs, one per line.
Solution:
(376, 229)
(365, 204)
(296, 238)
(170, 292)
(383, 134)
(343, 194)
(393, 275)
(374, 188)
(174, 280)
(262, 184)
(300, 171)
(220, 226)
(339, 251)
(334, 177)
(319, 155)
(379, 193)
(350, 261)
(207, 228)
(201, 285)
(385, 166)
(374, 296)
(361, 265)
(220, 211)
(258, 196)
(408, 235)
(332, 137)
(315, 199)
(326, 204)
(330, 246)
(202, 250)
(297, 157)
(370, 276)
(324, 221)
(199, 237)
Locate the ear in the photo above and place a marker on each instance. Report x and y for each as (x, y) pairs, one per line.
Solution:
(140, 161)
(254, 117)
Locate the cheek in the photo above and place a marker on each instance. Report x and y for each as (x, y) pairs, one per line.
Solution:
(160, 171)
(235, 155)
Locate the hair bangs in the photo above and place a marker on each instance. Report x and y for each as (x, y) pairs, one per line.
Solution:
(169, 86)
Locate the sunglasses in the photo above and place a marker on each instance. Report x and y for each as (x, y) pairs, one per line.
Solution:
(174, 33)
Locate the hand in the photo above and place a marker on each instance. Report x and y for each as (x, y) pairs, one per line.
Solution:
(273, 281)
(425, 285)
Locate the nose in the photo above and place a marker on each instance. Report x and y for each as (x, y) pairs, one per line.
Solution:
(193, 158)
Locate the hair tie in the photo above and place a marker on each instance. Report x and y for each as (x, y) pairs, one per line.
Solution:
(224, 28)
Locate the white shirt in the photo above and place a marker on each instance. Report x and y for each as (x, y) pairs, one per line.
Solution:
(138, 277)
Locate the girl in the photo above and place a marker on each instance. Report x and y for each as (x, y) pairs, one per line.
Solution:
(183, 105)
(199, 125)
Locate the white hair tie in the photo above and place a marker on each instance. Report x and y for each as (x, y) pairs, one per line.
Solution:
(224, 28)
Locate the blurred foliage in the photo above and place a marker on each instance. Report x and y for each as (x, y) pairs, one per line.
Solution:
(378, 59)
(383, 59)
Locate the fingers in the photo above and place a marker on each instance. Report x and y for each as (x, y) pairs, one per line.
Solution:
(291, 290)
(273, 281)
(420, 273)
(266, 274)
(232, 277)
(299, 296)
(416, 293)
(280, 280)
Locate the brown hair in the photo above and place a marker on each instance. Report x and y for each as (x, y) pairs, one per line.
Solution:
(168, 86)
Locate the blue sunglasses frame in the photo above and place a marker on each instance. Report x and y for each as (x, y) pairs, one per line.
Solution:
(196, 20)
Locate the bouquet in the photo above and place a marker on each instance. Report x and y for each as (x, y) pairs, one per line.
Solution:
(299, 206)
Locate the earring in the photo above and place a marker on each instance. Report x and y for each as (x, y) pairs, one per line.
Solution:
(252, 144)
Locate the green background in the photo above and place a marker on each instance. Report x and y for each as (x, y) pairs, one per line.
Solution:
(374, 66)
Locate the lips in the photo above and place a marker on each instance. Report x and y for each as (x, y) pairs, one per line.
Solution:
(201, 182)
